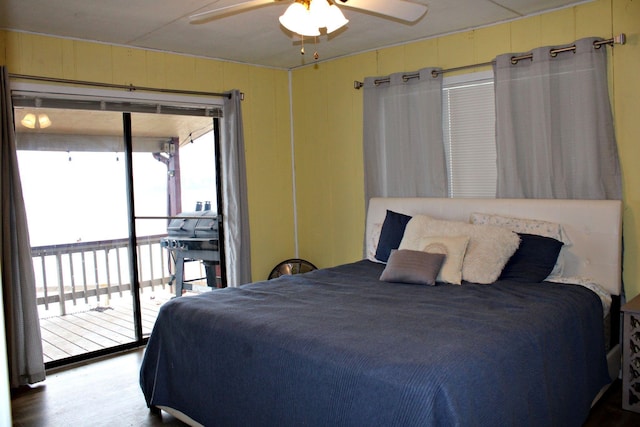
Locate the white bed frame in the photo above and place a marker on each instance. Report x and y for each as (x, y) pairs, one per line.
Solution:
(594, 228)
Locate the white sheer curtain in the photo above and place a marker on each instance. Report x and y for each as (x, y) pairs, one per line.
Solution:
(403, 144)
(24, 345)
(234, 192)
(554, 126)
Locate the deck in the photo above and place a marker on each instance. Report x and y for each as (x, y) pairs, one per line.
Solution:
(84, 292)
(88, 329)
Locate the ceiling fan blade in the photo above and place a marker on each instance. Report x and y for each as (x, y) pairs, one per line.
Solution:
(200, 18)
(398, 9)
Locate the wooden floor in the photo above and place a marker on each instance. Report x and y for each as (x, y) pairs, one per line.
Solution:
(100, 393)
(92, 328)
(608, 411)
(106, 393)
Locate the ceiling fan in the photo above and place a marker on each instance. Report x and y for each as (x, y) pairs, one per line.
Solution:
(308, 17)
(403, 10)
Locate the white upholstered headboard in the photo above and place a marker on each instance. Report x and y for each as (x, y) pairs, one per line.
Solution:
(594, 228)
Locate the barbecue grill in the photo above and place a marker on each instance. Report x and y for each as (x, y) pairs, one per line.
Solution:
(194, 236)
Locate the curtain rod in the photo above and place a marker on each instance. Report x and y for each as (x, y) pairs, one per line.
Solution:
(129, 88)
(619, 39)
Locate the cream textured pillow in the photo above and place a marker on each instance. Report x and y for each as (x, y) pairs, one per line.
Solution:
(488, 250)
(454, 248)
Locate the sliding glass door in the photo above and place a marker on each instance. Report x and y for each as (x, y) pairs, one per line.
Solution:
(175, 178)
(101, 188)
(74, 184)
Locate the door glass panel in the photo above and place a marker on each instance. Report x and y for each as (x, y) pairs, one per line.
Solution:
(174, 177)
(73, 179)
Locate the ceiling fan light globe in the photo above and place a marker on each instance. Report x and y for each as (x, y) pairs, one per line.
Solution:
(319, 9)
(327, 15)
(297, 19)
(308, 30)
(335, 19)
(291, 18)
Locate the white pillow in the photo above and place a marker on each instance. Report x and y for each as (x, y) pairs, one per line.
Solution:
(488, 250)
(528, 226)
(453, 247)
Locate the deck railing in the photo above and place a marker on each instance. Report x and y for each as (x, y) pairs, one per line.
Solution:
(85, 272)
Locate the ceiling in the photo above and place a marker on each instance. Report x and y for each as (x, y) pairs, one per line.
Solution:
(252, 37)
(86, 130)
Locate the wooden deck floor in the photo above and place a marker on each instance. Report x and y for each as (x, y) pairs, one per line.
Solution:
(95, 328)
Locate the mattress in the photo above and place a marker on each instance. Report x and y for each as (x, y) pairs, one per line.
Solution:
(339, 347)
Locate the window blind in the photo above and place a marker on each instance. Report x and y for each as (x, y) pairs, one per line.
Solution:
(469, 137)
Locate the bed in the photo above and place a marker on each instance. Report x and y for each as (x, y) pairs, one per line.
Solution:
(340, 346)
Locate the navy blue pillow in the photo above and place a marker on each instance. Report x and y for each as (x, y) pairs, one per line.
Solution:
(391, 234)
(533, 260)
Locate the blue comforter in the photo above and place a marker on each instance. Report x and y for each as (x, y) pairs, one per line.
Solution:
(337, 347)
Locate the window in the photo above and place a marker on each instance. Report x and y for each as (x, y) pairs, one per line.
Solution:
(469, 134)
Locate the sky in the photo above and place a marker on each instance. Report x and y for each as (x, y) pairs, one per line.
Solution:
(81, 196)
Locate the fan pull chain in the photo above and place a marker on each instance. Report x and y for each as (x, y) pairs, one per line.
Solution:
(315, 54)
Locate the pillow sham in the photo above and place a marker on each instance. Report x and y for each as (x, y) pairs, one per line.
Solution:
(527, 226)
(391, 234)
(534, 259)
(488, 250)
(454, 247)
(523, 225)
(415, 267)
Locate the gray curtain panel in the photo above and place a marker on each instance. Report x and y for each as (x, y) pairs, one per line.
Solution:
(234, 190)
(403, 144)
(24, 345)
(554, 126)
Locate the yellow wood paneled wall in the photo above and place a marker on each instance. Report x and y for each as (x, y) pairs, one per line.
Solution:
(265, 113)
(328, 118)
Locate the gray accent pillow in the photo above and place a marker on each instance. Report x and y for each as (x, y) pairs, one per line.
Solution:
(416, 267)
